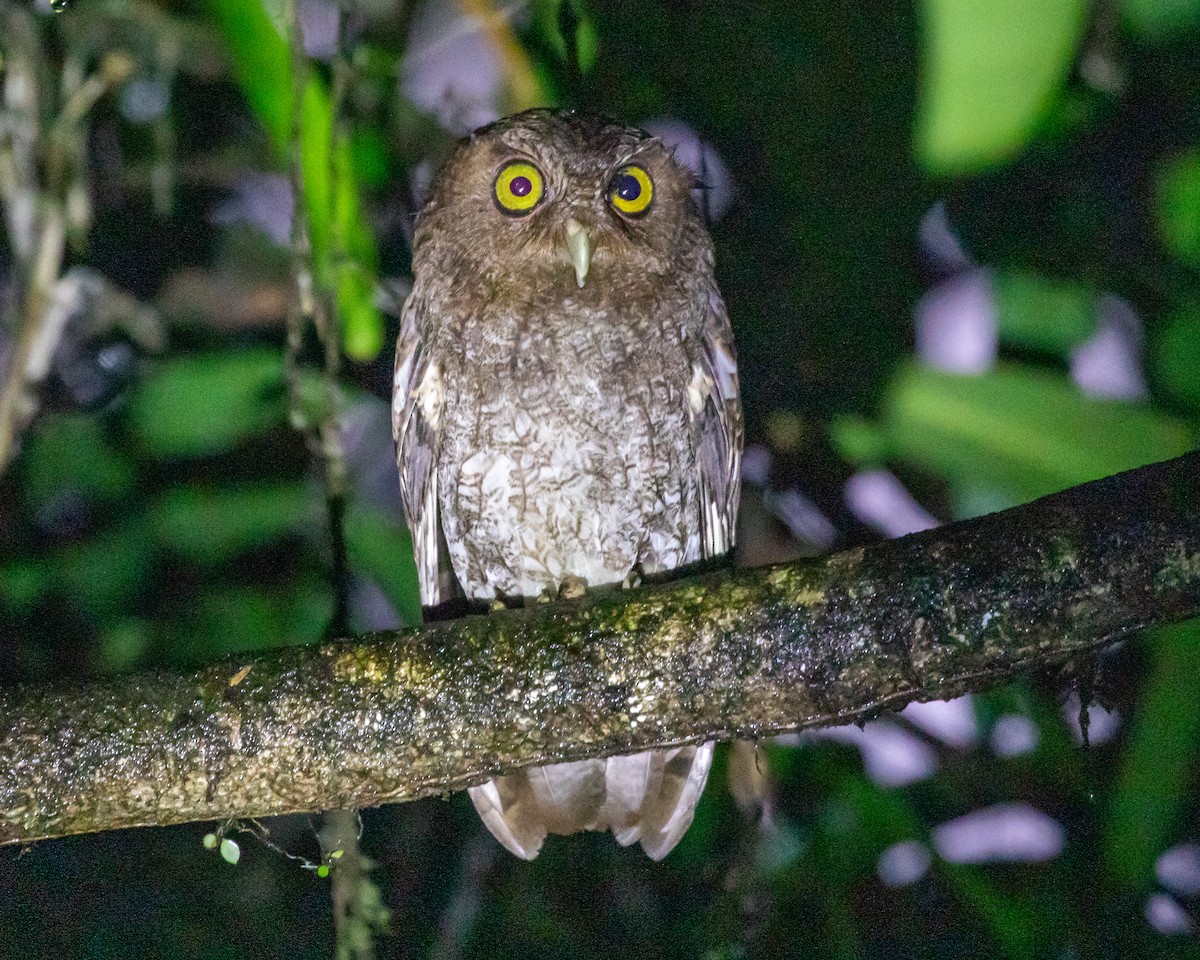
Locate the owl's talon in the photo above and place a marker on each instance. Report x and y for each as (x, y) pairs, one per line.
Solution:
(632, 579)
(496, 605)
(572, 588)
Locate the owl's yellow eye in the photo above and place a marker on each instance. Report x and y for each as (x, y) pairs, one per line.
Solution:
(631, 191)
(518, 188)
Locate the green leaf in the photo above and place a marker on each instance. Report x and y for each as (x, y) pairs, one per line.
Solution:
(1161, 19)
(1178, 206)
(208, 403)
(1043, 314)
(363, 328)
(230, 851)
(861, 442)
(990, 70)
(1160, 758)
(209, 526)
(69, 454)
(379, 547)
(1177, 357)
(1020, 431)
(99, 574)
(261, 61)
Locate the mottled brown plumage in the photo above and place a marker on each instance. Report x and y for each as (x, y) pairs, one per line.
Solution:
(565, 407)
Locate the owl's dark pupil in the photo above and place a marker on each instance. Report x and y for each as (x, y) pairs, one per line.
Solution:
(627, 187)
(520, 186)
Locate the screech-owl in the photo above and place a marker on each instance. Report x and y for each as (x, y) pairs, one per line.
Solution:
(566, 408)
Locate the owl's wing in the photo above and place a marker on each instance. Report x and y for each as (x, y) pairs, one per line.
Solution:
(416, 415)
(718, 413)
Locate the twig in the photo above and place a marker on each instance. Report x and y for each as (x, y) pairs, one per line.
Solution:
(357, 911)
(314, 308)
(37, 211)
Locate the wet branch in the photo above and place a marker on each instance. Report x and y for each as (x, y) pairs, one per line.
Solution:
(748, 653)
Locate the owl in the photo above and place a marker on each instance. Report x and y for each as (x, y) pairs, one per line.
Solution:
(566, 414)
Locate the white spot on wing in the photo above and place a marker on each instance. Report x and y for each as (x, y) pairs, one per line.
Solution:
(430, 394)
(699, 388)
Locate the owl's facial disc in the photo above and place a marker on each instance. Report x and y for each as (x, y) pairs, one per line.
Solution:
(579, 248)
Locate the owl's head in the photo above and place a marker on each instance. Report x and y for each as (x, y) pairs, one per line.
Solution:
(562, 200)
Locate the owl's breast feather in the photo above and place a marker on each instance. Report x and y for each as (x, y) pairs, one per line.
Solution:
(566, 449)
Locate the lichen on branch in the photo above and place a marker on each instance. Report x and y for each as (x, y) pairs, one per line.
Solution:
(736, 654)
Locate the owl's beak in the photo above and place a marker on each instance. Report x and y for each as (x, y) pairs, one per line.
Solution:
(579, 249)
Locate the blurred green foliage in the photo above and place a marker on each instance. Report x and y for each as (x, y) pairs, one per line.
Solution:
(1015, 433)
(1177, 357)
(343, 245)
(548, 22)
(1025, 302)
(990, 70)
(1161, 19)
(372, 537)
(204, 404)
(1159, 766)
(70, 455)
(185, 519)
(1179, 206)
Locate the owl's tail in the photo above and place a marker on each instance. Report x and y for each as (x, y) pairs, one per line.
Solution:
(648, 797)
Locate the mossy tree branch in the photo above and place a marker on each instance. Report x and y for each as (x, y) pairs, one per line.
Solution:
(745, 654)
